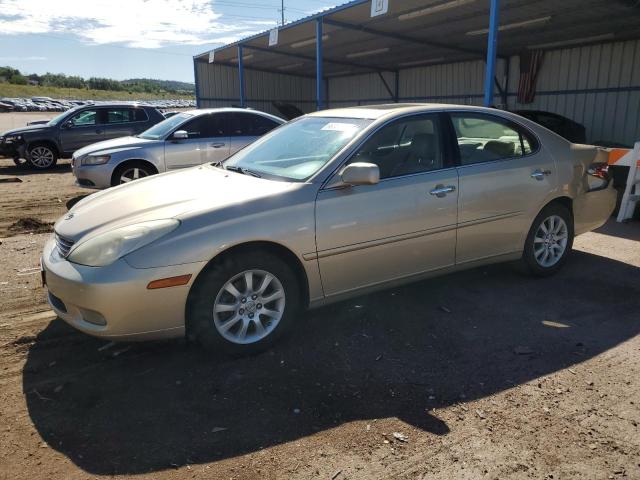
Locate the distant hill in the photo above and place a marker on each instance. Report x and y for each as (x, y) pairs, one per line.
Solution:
(13, 76)
(168, 85)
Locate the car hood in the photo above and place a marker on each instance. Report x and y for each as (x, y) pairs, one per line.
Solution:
(29, 129)
(168, 195)
(116, 144)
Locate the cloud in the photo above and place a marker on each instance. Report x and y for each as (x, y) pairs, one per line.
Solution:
(135, 23)
(22, 59)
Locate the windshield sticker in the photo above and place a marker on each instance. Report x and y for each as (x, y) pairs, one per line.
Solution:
(339, 127)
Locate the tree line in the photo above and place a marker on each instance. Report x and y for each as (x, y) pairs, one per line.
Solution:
(137, 85)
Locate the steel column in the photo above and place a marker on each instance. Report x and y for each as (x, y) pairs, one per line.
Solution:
(319, 82)
(241, 75)
(492, 50)
(195, 80)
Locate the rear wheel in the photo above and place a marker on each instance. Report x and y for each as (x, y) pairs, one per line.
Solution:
(549, 241)
(131, 171)
(244, 303)
(42, 156)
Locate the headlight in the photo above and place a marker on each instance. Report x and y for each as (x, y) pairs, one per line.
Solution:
(95, 159)
(110, 246)
(12, 138)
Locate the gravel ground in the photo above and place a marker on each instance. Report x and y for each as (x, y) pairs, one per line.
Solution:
(481, 374)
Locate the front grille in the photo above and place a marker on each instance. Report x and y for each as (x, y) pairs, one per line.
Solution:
(63, 244)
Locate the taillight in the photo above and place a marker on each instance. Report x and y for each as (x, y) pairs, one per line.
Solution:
(600, 170)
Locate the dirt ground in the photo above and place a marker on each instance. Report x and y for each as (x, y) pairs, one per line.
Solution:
(482, 374)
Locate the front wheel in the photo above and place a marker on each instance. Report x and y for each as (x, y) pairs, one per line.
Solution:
(129, 172)
(549, 241)
(42, 157)
(244, 303)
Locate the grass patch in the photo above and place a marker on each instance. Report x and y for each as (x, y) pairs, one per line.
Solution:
(28, 91)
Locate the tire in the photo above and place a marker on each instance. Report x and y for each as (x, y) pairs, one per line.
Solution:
(132, 171)
(545, 253)
(214, 304)
(42, 156)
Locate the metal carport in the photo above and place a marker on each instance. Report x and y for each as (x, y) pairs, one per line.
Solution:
(346, 50)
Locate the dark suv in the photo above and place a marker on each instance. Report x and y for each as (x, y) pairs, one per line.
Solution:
(42, 145)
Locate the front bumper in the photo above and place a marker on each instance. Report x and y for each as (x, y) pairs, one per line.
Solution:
(113, 301)
(92, 176)
(11, 150)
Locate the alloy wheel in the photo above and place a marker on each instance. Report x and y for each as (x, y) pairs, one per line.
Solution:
(41, 157)
(133, 173)
(249, 307)
(550, 241)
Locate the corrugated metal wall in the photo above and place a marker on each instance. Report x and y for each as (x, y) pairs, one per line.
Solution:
(460, 83)
(218, 87)
(597, 85)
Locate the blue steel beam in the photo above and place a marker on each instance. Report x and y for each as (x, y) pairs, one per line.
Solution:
(241, 75)
(319, 82)
(492, 51)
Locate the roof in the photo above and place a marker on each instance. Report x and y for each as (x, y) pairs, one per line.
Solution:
(427, 32)
(374, 112)
(203, 111)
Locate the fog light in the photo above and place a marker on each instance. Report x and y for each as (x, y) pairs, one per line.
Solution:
(93, 317)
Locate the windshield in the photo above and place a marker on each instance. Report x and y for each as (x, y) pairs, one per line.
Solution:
(58, 118)
(298, 149)
(162, 129)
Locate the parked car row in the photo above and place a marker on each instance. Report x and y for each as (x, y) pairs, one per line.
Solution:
(184, 140)
(42, 144)
(322, 208)
(47, 104)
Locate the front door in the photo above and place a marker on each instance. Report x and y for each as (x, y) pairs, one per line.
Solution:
(505, 179)
(402, 226)
(183, 153)
(82, 129)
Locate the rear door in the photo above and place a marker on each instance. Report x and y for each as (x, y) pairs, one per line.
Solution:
(245, 127)
(402, 226)
(123, 121)
(216, 144)
(82, 129)
(505, 178)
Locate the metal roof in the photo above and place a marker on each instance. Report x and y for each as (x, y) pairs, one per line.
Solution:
(427, 32)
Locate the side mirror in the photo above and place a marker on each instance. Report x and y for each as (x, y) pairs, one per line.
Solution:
(360, 173)
(180, 135)
(68, 124)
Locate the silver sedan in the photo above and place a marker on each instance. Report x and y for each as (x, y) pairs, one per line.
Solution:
(326, 207)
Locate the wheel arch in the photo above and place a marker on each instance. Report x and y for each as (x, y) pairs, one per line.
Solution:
(44, 142)
(129, 161)
(277, 249)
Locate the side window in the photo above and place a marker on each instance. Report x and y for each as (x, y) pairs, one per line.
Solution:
(204, 126)
(404, 147)
(242, 124)
(483, 138)
(140, 115)
(262, 125)
(120, 115)
(85, 118)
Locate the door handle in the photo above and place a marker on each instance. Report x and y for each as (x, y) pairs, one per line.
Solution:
(540, 174)
(99, 132)
(216, 145)
(441, 190)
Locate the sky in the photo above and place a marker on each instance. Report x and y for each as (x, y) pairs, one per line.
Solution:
(123, 39)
